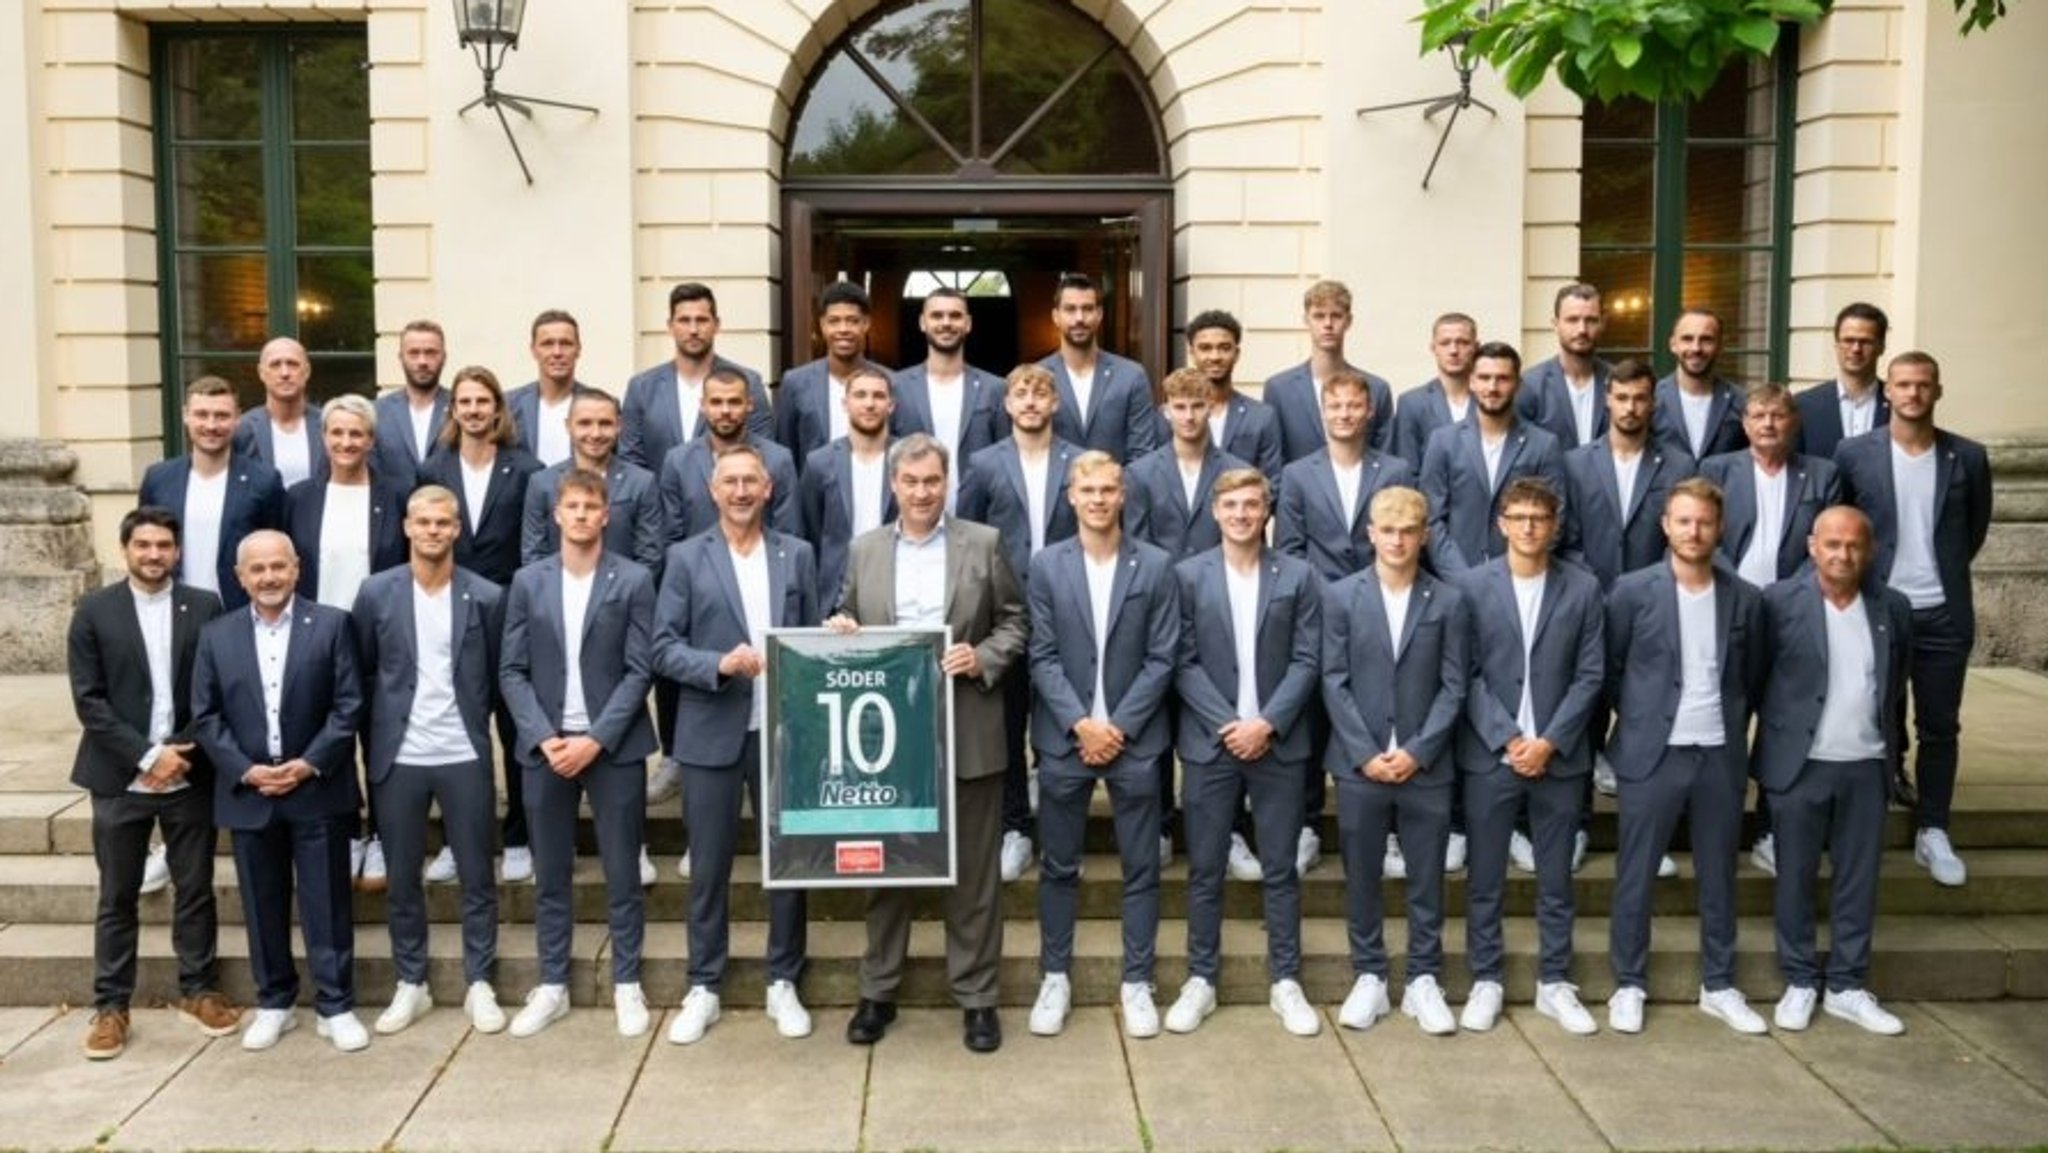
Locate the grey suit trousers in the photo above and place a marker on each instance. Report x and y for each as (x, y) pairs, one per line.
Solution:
(1366, 811)
(1836, 807)
(711, 814)
(618, 809)
(1555, 803)
(973, 908)
(1065, 786)
(467, 794)
(1209, 795)
(1707, 785)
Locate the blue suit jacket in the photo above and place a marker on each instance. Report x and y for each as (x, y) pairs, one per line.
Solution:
(305, 513)
(992, 491)
(492, 549)
(685, 483)
(1287, 665)
(399, 454)
(1121, 419)
(1422, 411)
(1545, 400)
(1595, 533)
(1724, 420)
(533, 666)
(1646, 666)
(253, 436)
(1156, 508)
(634, 530)
(699, 617)
(1376, 690)
(318, 712)
(1962, 509)
(982, 419)
(826, 505)
(651, 417)
(1796, 654)
(524, 405)
(1138, 654)
(1820, 418)
(1463, 508)
(254, 500)
(1566, 668)
(803, 409)
(387, 653)
(1292, 395)
(1309, 520)
(1811, 487)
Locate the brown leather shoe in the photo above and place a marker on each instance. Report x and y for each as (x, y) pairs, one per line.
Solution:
(108, 1035)
(212, 1012)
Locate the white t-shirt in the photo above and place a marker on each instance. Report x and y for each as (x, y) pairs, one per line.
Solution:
(752, 571)
(689, 395)
(866, 478)
(344, 544)
(1396, 602)
(1190, 482)
(1582, 398)
(1217, 420)
(1528, 604)
(1759, 563)
(1493, 448)
(291, 453)
(1037, 478)
(273, 645)
(1699, 694)
(1694, 409)
(1914, 571)
(1460, 409)
(1084, 392)
(575, 607)
(835, 407)
(947, 394)
(1101, 579)
(552, 430)
(422, 428)
(476, 486)
(1244, 629)
(434, 733)
(1348, 479)
(1848, 724)
(206, 499)
(1625, 470)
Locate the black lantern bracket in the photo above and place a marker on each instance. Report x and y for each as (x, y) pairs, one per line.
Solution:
(1454, 102)
(490, 30)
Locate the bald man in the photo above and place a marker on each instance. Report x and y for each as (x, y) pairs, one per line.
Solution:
(284, 431)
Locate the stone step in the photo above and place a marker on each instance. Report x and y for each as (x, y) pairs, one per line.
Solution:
(1917, 958)
(63, 889)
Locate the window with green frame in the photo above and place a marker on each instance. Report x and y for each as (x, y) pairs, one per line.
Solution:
(263, 206)
(1689, 206)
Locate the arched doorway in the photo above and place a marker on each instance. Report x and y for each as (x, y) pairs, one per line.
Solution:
(989, 145)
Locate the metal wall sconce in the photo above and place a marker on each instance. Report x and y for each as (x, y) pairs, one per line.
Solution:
(490, 30)
(1460, 51)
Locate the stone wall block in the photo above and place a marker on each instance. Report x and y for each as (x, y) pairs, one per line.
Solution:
(46, 553)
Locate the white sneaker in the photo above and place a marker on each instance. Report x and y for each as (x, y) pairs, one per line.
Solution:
(647, 871)
(1932, 851)
(441, 870)
(1016, 856)
(1244, 864)
(1666, 867)
(409, 1002)
(1604, 781)
(1729, 1006)
(1559, 1001)
(156, 871)
(1049, 1012)
(356, 848)
(1795, 1009)
(1764, 854)
(1366, 1003)
(375, 878)
(1308, 852)
(1141, 1016)
(481, 1004)
(266, 1026)
(1625, 1010)
(1196, 1001)
(787, 1010)
(664, 782)
(1858, 1007)
(546, 1005)
(1580, 843)
(629, 1006)
(1454, 854)
(683, 865)
(1521, 853)
(1297, 1016)
(699, 1012)
(344, 1030)
(1482, 1007)
(1165, 850)
(518, 864)
(1394, 867)
(1423, 1000)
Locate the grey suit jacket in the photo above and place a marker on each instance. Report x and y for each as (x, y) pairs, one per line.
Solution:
(982, 419)
(1156, 508)
(651, 416)
(1597, 533)
(992, 492)
(1566, 667)
(1545, 400)
(1796, 653)
(803, 408)
(1962, 509)
(399, 452)
(533, 666)
(1646, 665)
(254, 439)
(1292, 395)
(1422, 411)
(825, 500)
(1724, 420)
(524, 405)
(387, 652)
(1309, 520)
(685, 482)
(635, 529)
(1137, 655)
(1378, 688)
(1121, 419)
(1287, 665)
(1811, 487)
(984, 608)
(1820, 418)
(699, 617)
(1463, 507)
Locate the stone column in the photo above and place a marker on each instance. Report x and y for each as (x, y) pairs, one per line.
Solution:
(46, 555)
(2012, 572)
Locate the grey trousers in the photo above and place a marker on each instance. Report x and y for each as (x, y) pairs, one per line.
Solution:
(121, 826)
(467, 796)
(1420, 813)
(1209, 797)
(618, 808)
(1836, 807)
(974, 908)
(711, 814)
(1555, 803)
(1064, 788)
(1706, 784)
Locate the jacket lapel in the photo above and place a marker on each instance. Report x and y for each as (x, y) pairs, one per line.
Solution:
(1944, 473)
(1119, 586)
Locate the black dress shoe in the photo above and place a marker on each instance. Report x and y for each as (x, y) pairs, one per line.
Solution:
(984, 1030)
(870, 1020)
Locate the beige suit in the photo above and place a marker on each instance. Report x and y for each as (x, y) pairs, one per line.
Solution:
(984, 608)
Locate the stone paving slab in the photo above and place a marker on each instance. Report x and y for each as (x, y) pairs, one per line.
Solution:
(745, 1089)
(562, 1089)
(18, 1025)
(27, 819)
(2016, 1040)
(59, 1100)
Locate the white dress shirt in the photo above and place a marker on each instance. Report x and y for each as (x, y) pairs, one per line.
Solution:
(921, 578)
(751, 570)
(273, 645)
(1859, 414)
(154, 613)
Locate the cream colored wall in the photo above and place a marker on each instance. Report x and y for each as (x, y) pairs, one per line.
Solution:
(24, 231)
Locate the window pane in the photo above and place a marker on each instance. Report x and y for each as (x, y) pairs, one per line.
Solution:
(1624, 282)
(1728, 194)
(1737, 287)
(335, 375)
(1744, 368)
(219, 195)
(223, 303)
(1617, 194)
(1739, 105)
(848, 125)
(335, 306)
(1027, 51)
(1621, 120)
(238, 371)
(1102, 127)
(923, 51)
(330, 89)
(333, 186)
(213, 89)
